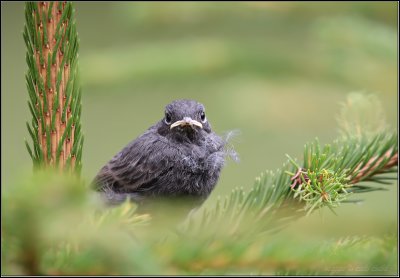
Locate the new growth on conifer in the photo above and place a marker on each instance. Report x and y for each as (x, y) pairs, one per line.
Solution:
(53, 86)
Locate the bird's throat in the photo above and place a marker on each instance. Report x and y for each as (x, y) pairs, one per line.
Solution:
(186, 134)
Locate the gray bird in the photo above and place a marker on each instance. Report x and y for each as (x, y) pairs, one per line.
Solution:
(179, 156)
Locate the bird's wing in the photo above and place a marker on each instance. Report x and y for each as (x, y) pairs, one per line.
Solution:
(138, 166)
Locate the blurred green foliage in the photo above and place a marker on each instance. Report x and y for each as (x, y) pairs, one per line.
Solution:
(53, 225)
(275, 71)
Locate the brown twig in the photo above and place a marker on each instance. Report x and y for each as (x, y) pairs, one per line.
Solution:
(372, 164)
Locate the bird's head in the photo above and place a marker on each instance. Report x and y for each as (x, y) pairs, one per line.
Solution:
(185, 118)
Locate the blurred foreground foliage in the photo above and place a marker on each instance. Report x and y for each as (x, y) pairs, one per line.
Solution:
(52, 224)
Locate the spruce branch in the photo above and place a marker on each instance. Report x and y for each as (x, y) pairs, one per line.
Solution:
(327, 177)
(53, 85)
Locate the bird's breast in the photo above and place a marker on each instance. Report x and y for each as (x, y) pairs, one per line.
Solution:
(193, 168)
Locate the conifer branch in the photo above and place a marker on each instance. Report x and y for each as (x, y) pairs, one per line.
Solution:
(327, 177)
(53, 86)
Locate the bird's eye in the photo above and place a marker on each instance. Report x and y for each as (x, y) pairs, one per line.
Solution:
(203, 116)
(167, 118)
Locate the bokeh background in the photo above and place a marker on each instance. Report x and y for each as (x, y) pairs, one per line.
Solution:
(276, 72)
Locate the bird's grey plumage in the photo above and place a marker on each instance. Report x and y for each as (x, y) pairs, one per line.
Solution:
(166, 161)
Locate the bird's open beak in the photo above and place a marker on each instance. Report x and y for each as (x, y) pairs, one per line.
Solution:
(186, 121)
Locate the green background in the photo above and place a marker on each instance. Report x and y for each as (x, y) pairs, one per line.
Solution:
(274, 71)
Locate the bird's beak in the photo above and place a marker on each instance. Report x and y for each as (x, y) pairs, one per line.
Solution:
(186, 121)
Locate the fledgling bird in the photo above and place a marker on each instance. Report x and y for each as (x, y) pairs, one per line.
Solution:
(179, 156)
